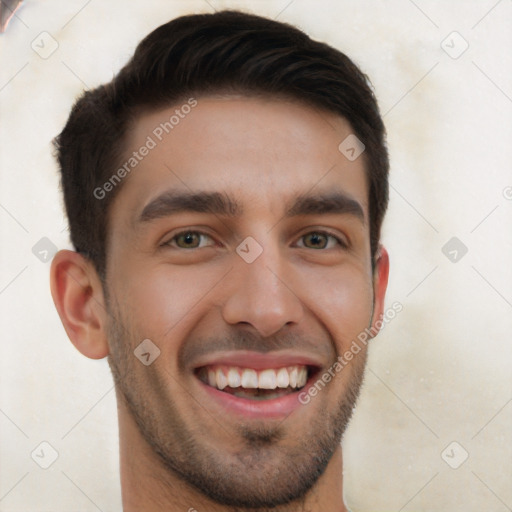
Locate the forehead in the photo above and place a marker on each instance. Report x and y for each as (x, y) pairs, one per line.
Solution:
(260, 150)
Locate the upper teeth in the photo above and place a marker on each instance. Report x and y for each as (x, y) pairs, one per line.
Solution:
(235, 377)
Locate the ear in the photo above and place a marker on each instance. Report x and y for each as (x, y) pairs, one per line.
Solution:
(380, 284)
(77, 292)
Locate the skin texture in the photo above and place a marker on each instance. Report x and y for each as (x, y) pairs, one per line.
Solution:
(179, 449)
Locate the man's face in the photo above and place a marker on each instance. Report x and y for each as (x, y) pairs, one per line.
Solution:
(182, 273)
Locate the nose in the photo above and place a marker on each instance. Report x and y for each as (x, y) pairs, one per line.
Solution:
(261, 295)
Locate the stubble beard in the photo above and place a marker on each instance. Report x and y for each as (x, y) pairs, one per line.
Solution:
(264, 474)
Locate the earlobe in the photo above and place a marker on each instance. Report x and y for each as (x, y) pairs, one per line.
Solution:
(380, 284)
(77, 293)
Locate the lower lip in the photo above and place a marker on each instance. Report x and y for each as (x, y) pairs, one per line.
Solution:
(271, 408)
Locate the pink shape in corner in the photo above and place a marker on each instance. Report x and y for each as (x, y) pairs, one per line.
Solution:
(7, 10)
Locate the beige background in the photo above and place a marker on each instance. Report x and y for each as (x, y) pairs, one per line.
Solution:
(438, 373)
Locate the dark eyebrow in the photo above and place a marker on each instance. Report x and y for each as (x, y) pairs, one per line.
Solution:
(200, 202)
(335, 202)
(219, 203)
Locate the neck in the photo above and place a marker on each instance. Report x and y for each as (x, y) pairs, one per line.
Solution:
(148, 485)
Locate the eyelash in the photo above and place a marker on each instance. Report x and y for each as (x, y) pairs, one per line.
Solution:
(341, 243)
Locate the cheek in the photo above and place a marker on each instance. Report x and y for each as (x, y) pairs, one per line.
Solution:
(342, 301)
(160, 300)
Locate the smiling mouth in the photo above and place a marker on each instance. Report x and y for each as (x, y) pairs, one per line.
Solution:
(254, 384)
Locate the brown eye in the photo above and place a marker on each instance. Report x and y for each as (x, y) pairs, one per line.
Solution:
(315, 240)
(190, 240)
(320, 240)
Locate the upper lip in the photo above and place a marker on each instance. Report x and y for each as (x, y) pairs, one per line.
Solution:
(258, 360)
